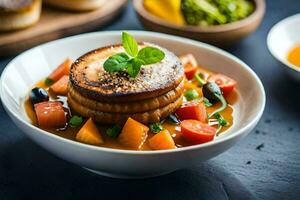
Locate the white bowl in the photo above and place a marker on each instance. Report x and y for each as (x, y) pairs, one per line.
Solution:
(281, 38)
(31, 66)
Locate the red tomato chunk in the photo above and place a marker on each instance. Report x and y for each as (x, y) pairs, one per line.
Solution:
(225, 83)
(192, 110)
(50, 114)
(197, 132)
(190, 65)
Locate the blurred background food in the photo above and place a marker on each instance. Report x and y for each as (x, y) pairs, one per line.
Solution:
(219, 22)
(18, 14)
(76, 5)
(168, 10)
(23, 24)
(200, 12)
(214, 12)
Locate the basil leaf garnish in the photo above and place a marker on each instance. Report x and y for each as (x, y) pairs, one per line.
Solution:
(132, 60)
(130, 45)
(150, 55)
(117, 62)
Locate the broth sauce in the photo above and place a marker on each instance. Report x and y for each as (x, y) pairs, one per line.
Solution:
(70, 132)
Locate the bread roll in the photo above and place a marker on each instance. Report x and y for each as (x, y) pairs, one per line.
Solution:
(18, 14)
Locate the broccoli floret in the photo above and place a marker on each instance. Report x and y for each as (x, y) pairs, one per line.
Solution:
(213, 12)
(196, 11)
(234, 9)
(244, 8)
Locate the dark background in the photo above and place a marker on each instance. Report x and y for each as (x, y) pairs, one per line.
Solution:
(244, 172)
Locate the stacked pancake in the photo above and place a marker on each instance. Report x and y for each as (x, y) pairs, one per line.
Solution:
(110, 98)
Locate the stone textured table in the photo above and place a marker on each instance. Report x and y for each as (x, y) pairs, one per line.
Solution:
(264, 165)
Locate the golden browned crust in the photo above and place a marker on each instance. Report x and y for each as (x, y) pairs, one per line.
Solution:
(153, 80)
(131, 107)
(151, 116)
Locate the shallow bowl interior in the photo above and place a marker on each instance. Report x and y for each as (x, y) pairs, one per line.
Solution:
(33, 65)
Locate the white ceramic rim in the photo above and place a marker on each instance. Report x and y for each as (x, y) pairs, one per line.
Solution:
(148, 152)
(269, 41)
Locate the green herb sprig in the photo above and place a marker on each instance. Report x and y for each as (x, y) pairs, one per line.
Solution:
(206, 102)
(156, 127)
(191, 94)
(75, 121)
(48, 81)
(132, 59)
(114, 131)
(221, 121)
(199, 78)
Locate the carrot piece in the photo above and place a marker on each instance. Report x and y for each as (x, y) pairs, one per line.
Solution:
(61, 70)
(89, 133)
(50, 114)
(192, 110)
(162, 140)
(190, 65)
(61, 86)
(133, 134)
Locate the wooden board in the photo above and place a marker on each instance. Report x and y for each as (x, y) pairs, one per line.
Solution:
(56, 23)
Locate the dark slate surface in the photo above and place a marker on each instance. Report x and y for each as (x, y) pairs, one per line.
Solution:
(244, 172)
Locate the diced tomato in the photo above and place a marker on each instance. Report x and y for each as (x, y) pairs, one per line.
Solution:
(61, 70)
(190, 71)
(190, 65)
(50, 114)
(225, 83)
(192, 110)
(61, 86)
(197, 132)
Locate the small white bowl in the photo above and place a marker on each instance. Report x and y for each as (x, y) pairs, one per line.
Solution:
(281, 38)
(31, 66)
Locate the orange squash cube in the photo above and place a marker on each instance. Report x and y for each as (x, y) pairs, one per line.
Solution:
(133, 134)
(61, 70)
(162, 141)
(60, 87)
(89, 133)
